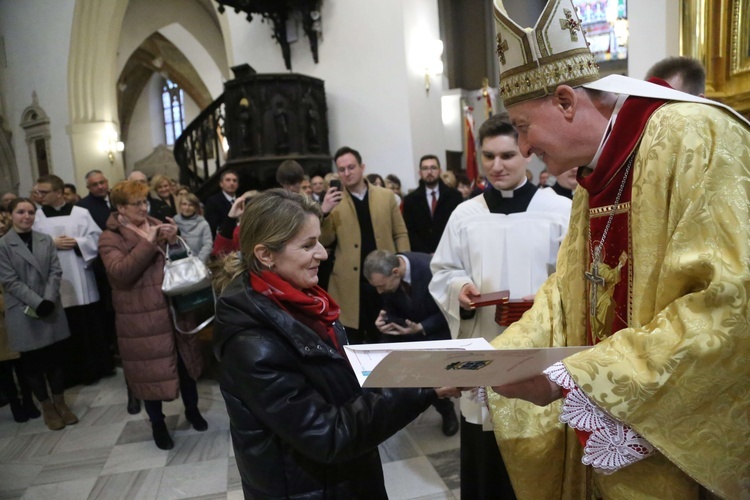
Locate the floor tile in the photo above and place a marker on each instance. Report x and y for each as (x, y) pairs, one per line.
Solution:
(399, 447)
(15, 477)
(201, 447)
(134, 457)
(79, 488)
(448, 466)
(234, 481)
(190, 480)
(31, 448)
(134, 485)
(79, 464)
(412, 478)
(86, 438)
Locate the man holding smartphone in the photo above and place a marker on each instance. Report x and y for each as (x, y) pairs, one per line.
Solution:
(358, 219)
(409, 312)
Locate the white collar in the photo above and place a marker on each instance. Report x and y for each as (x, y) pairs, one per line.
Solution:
(612, 119)
(407, 273)
(508, 193)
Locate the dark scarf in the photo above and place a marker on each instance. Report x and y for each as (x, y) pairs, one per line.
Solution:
(312, 307)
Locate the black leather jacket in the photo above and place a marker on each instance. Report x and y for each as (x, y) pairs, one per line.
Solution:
(301, 425)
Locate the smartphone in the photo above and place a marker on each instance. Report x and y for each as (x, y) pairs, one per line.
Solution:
(335, 183)
(396, 320)
(30, 312)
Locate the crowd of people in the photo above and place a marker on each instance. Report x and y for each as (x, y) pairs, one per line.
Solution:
(638, 251)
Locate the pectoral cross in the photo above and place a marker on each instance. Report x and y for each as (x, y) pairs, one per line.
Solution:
(596, 281)
(502, 47)
(570, 24)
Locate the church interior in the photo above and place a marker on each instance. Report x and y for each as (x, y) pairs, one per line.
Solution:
(190, 87)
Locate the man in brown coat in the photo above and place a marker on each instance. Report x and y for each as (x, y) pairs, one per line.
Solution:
(359, 218)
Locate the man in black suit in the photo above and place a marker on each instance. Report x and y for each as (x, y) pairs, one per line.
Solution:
(216, 207)
(409, 311)
(97, 201)
(428, 208)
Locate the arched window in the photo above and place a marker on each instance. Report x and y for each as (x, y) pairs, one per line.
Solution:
(174, 111)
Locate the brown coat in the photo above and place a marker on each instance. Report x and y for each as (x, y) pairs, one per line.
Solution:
(147, 340)
(342, 226)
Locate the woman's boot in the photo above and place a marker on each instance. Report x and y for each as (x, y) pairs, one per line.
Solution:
(53, 419)
(16, 408)
(161, 435)
(68, 417)
(134, 404)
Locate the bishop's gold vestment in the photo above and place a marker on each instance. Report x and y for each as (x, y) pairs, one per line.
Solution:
(680, 373)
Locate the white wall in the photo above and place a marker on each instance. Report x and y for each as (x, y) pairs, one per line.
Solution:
(654, 34)
(37, 47)
(370, 90)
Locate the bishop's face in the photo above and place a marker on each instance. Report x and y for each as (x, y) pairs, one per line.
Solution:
(502, 162)
(561, 138)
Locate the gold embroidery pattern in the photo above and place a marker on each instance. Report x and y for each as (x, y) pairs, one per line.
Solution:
(679, 373)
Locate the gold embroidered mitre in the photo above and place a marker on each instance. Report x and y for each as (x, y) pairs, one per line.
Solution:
(534, 61)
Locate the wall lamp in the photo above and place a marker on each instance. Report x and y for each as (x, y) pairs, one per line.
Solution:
(111, 145)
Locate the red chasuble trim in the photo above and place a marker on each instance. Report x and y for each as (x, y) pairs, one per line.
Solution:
(603, 185)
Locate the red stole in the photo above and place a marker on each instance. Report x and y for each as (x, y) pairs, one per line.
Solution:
(603, 184)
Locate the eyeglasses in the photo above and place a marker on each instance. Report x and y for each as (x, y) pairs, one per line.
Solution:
(142, 203)
(42, 193)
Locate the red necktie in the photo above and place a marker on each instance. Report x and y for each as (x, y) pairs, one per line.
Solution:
(433, 204)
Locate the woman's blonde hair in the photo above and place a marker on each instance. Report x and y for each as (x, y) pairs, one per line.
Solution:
(270, 218)
(157, 181)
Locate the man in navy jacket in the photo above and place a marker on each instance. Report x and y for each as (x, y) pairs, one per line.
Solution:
(409, 312)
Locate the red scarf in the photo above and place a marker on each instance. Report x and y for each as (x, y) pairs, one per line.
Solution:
(312, 307)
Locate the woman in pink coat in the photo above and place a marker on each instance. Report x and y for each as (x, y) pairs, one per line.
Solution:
(158, 362)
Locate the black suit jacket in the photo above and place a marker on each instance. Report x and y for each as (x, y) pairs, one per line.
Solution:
(215, 210)
(424, 229)
(158, 209)
(417, 305)
(98, 209)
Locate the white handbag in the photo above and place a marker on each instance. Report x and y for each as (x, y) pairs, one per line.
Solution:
(185, 275)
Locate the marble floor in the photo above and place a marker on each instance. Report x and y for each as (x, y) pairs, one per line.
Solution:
(109, 454)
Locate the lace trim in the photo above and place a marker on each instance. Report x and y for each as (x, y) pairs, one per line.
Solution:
(612, 445)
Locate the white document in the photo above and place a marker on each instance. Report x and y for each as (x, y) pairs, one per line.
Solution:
(449, 363)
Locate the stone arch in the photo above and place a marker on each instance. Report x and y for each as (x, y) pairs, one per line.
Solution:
(92, 82)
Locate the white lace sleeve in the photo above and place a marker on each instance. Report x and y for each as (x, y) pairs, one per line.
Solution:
(612, 444)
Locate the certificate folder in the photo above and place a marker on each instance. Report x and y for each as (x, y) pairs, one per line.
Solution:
(449, 363)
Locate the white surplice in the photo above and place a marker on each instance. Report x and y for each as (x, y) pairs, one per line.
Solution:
(78, 285)
(514, 252)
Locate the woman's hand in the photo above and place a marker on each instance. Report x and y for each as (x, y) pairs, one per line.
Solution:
(538, 390)
(448, 392)
(237, 208)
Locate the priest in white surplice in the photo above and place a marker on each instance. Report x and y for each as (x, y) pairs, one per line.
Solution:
(506, 239)
(76, 237)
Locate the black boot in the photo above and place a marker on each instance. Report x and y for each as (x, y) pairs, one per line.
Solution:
(19, 414)
(447, 410)
(161, 435)
(30, 408)
(134, 404)
(196, 419)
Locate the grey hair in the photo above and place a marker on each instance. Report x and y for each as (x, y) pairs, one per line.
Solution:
(92, 172)
(381, 262)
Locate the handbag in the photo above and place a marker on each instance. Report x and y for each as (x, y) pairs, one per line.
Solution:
(187, 285)
(184, 275)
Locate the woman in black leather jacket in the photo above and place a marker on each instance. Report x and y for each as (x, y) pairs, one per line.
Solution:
(302, 427)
